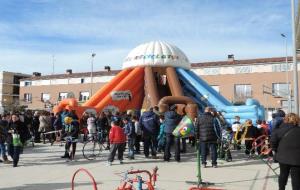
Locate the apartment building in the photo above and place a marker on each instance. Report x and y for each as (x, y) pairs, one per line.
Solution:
(9, 89)
(268, 80)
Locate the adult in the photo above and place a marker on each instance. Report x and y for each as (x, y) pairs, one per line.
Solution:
(206, 132)
(91, 124)
(45, 125)
(277, 119)
(16, 138)
(149, 123)
(285, 142)
(172, 118)
(35, 127)
(70, 132)
(3, 136)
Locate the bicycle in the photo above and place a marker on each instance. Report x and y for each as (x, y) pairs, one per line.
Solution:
(93, 146)
(128, 183)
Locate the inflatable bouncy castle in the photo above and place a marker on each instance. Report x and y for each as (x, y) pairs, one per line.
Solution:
(158, 73)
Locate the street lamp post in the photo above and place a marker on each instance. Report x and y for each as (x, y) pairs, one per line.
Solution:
(287, 74)
(92, 70)
(295, 66)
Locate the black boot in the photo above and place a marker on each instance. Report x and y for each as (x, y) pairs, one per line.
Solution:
(66, 155)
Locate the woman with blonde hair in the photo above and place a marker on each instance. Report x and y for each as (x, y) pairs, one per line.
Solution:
(285, 142)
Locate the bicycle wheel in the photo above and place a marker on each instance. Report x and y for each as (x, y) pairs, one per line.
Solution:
(91, 150)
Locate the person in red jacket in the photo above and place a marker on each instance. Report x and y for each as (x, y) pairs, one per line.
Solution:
(117, 139)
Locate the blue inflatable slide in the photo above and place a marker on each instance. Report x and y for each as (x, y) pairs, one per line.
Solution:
(204, 95)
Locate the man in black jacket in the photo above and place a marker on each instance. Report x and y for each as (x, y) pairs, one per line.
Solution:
(172, 118)
(205, 129)
(149, 123)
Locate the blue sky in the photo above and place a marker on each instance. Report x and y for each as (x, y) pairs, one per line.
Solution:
(32, 31)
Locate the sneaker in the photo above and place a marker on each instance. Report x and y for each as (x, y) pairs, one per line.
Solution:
(66, 156)
(214, 166)
(121, 162)
(109, 163)
(7, 162)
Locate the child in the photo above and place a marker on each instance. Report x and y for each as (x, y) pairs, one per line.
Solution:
(117, 140)
(130, 133)
(236, 129)
(138, 132)
(225, 144)
(161, 137)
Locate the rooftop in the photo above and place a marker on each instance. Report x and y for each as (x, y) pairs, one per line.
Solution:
(229, 62)
(242, 62)
(74, 75)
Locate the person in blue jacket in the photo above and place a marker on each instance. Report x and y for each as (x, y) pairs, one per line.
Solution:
(149, 123)
(172, 118)
(130, 133)
(161, 136)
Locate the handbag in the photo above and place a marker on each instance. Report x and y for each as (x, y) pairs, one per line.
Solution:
(16, 140)
(185, 128)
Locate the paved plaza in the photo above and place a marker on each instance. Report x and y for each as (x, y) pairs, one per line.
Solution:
(41, 168)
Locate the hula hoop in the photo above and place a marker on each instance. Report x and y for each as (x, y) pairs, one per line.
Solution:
(88, 173)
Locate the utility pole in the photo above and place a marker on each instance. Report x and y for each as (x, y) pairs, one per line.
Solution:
(287, 74)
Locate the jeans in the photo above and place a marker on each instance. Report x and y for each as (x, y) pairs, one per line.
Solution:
(3, 150)
(285, 170)
(150, 141)
(169, 142)
(207, 146)
(131, 142)
(137, 143)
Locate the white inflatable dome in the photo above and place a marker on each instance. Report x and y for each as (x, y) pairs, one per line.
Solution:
(156, 54)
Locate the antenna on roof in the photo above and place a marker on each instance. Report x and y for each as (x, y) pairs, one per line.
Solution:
(53, 64)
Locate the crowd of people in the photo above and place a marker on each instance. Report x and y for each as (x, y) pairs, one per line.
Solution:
(213, 135)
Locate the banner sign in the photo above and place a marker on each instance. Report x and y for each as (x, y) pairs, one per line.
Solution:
(121, 95)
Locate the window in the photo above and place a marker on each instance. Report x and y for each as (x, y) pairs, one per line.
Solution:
(242, 91)
(27, 83)
(211, 71)
(82, 80)
(281, 67)
(243, 69)
(280, 89)
(83, 96)
(216, 87)
(27, 97)
(285, 103)
(45, 97)
(62, 95)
